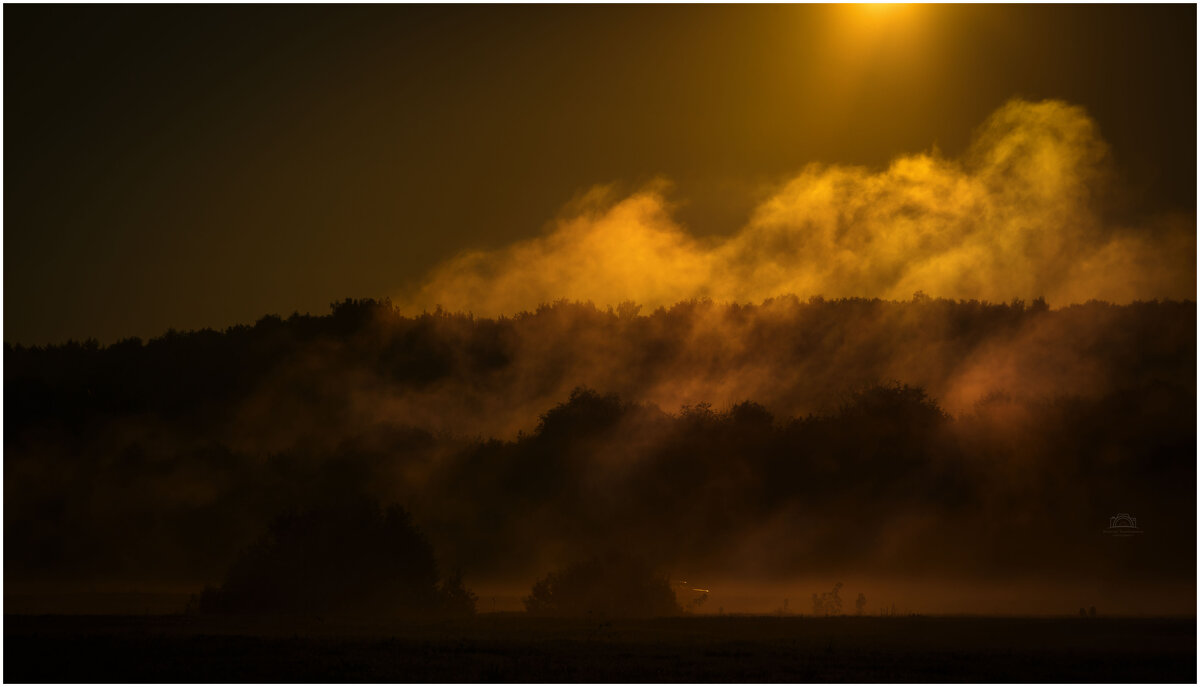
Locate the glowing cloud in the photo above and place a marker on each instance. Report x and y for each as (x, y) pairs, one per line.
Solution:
(1019, 216)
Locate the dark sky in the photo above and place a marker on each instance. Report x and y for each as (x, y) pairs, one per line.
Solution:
(201, 166)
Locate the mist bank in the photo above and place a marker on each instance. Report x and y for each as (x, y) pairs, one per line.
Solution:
(851, 440)
(1035, 207)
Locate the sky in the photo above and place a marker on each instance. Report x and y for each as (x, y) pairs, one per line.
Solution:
(188, 167)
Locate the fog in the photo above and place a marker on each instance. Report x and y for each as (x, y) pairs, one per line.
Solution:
(1036, 207)
(943, 456)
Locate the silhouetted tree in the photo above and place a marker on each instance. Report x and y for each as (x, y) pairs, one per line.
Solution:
(456, 599)
(860, 603)
(828, 603)
(585, 412)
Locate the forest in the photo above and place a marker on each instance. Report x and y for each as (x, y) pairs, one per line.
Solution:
(926, 437)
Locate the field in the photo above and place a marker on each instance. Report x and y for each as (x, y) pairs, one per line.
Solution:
(514, 648)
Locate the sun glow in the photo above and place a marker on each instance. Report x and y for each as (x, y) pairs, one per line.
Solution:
(883, 17)
(866, 43)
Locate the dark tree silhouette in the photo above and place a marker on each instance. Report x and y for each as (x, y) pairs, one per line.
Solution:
(348, 558)
(608, 586)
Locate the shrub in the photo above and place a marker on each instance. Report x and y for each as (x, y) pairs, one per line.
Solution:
(610, 586)
(350, 558)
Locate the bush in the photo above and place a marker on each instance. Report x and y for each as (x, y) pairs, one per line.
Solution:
(611, 586)
(351, 558)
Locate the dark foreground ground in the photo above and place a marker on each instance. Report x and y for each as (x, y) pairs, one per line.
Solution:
(513, 648)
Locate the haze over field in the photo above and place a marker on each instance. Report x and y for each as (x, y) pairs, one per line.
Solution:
(528, 443)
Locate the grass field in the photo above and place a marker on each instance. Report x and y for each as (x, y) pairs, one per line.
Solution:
(514, 648)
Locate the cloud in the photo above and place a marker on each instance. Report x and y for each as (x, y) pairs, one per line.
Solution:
(1020, 215)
